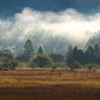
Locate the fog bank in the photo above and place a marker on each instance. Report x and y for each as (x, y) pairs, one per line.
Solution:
(70, 24)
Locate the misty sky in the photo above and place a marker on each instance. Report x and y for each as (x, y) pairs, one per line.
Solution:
(76, 20)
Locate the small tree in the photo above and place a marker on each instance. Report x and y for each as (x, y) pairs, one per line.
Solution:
(14, 64)
(5, 55)
(5, 65)
(89, 54)
(42, 61)
(75, 65)
(40, 50)
(90, 66)
(54, 66)
(29, 50)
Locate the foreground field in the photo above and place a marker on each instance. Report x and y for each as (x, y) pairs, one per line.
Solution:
(42, 84)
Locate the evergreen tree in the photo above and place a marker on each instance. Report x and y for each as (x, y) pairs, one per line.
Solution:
(97, 53)
(40, 50)
(70, 49)
(86, 56)
(29, 50)
(75, 55)
(96, 49)
(72, 55)
(80, 56)
(75, 50)
(89, 54)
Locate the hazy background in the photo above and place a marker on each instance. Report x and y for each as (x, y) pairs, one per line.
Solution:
(54, 24)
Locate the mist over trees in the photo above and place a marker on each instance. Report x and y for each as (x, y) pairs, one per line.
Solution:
(27, 53)
(36, 45)
(40, 50)
(17, 37)
(94, 38)
(14, 39)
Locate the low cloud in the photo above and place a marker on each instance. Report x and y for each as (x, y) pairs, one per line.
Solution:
(75, 26)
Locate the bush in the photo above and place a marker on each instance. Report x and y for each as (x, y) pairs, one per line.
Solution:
(54, 66)
(5, 55)
(75, 65)
(4, 59)
(22, 65)
(14, 64)
(57, 57)
(41, 61)
(5, 65)
(97, 66)
(90, 66)
(32, 65)
(0, 65)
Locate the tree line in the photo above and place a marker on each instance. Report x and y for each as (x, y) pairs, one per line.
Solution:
(90, 54)
(75, 57)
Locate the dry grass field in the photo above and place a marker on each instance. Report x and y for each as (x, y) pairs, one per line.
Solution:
(42, 84)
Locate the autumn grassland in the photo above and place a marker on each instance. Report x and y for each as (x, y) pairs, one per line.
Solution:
(42, 84)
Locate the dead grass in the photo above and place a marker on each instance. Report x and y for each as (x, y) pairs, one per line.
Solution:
(42, 84)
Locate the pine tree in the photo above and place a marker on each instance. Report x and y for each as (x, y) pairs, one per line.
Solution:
(89, 54)
(40, 50)
(96, 49)
(29, 50)
(69, 52)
